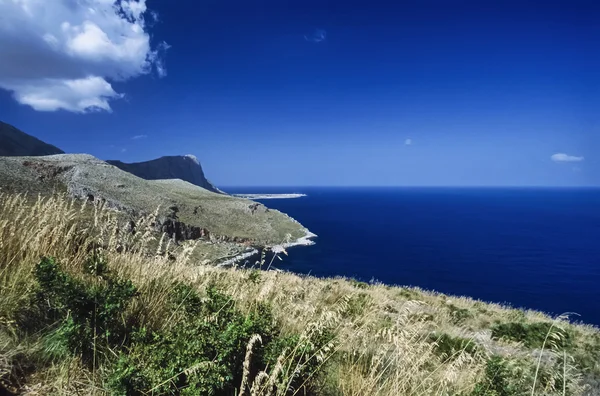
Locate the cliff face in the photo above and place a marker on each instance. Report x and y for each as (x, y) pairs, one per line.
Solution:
(184, 167)
(14, 142)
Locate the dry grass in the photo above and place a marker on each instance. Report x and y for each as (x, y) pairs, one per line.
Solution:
(387, 340)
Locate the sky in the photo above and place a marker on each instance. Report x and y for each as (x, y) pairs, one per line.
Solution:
(315, 93)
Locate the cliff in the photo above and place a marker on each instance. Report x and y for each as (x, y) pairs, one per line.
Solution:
(14, 142)
(184, 167)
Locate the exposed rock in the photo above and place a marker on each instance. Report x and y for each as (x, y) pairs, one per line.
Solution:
(184, 167)
(16, 143)
(184, 210)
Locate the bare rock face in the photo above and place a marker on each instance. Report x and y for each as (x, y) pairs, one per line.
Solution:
(16, 143)
(184, 167)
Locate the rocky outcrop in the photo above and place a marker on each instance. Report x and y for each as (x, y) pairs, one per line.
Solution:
(184, 167)
(16, 143)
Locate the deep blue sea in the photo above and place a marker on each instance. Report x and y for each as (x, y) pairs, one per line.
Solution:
(532, 248)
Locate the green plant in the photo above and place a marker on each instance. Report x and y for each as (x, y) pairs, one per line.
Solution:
(254, 276)
(449, 347)
(357, 305)
(499, 380)
(201, 353)
(358, 284)
(88, 316)
(532, 335)
(459, 315)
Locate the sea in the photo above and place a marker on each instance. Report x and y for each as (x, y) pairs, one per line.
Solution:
(535, 248)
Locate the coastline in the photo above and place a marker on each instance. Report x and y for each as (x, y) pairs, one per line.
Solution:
(269, 196)
(236, 259)
(305, 240)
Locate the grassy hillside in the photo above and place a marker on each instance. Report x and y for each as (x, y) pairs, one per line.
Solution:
(181, 204)
(86, 308)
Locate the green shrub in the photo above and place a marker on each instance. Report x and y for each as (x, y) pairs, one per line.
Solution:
(533, 335)
(499, 380)
(254, 276)
(87, 315)
(357, 305)
(459, 315)
(449, 347)
(202, 353)
(358, 284)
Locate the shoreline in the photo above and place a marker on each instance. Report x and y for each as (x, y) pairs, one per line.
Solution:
(302, 241)
(236, 259)
(276, 249)
(269, 196)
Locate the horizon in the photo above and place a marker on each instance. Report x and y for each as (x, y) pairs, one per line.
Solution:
(423, 94)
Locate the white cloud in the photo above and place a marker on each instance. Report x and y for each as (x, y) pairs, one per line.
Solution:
(561, 157)
(61, 54)
(408, 142)
(138, 137)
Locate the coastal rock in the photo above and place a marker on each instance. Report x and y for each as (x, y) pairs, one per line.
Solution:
(184, 167)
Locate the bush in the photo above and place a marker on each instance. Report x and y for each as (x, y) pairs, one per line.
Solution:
(533, 335)
(449, 347)
(203, 352)
(498, 380)
(88, 315)
(459, 315)
(357, 305)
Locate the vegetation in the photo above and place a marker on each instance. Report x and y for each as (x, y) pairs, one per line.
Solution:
(89, 307)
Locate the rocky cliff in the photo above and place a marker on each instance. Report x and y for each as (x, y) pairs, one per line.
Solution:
(184, 167)
(185, 211)
(14, 142)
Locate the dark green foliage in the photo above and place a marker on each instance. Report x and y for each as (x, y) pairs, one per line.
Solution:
(587, 355)
(357, 305)
(254, 276)
(449, 347)
(532, 335)
(498, 380)
(359, 284)
(409, 294)
(88, 314)
(459, 315)
(202, 353)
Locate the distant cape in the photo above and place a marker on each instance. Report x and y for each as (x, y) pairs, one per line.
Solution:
(184, 167)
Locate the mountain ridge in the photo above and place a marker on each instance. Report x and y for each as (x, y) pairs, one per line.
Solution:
(14, 142)
(183, 167)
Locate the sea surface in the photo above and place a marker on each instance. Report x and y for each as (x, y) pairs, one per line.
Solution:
(531, 248)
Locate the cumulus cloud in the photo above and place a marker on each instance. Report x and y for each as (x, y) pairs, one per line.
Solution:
(63, 54)
(138, 137)
(408, 142)
(316, 36)
(562, 157)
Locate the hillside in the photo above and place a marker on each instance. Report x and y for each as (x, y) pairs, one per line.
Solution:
(183, 210)
(14, 142)
(89, 309)
(185, 167)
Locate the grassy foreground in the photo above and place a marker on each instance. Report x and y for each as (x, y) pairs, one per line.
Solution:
(90, 308)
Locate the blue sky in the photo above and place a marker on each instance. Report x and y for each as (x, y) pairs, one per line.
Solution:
(315, 93)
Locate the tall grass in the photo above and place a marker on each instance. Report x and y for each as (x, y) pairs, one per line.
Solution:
(326, 337)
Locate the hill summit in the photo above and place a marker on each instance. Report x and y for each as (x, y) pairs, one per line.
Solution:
(184, 167)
